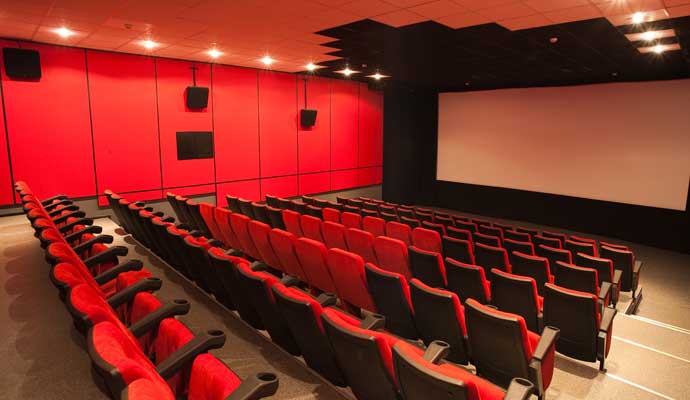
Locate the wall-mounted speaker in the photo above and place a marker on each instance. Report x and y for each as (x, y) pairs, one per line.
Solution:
(22, 63)
(197, 97)
(307, 118)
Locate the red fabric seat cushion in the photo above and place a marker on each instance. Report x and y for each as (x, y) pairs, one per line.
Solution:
(211, 379)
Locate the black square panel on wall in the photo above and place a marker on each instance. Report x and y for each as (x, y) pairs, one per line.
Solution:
(194, 145)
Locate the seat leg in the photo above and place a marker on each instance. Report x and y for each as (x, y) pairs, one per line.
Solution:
(601, 365)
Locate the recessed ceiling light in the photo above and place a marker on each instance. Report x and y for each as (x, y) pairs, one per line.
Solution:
(378, 76)
(658, 49)
(267, 60)
(215, 53)
(149, 44)
(347, 71)
(63, 32)
(649, 36)
(638, 17)
(553, 40)
(311, 66)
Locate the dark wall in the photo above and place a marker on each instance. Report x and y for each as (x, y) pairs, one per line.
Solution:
(410, 141)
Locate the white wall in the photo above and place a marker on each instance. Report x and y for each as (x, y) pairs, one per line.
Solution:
(622, 142)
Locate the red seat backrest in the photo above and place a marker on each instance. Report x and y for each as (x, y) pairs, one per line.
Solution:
(362, 243)
(351, 220)
(347, 270)
(374, 225)
(291, 219)
(312, 256)
(392, 256)
(283, 244)
(426, 239)
(311, 227)
(397, 230)
(334, 235)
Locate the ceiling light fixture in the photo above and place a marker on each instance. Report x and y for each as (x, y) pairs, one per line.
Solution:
(267, 60)
(638, 17)
(649, 36)
(658, 49)
(215, 53)
(64, 32)
(378, 76)
(347, 71)
(311, 67)
(148, 44)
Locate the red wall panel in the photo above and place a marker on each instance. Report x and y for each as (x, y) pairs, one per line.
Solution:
(125, 121)
(6, 188)
(314, 143)
(369, 176)
(344, 125)
(370, 127)
(135, 196)
(48, 124)
(315, 183)
(245, 189)
(278, 123)
(284, 186)
(341, 180)
(173, 77)
(236, 123)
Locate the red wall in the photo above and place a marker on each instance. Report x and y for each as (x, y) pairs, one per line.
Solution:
(99, 120)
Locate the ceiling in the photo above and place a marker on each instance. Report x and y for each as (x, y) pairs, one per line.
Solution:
(444, 43)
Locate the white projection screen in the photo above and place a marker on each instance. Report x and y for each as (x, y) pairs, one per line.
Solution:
(622, 142)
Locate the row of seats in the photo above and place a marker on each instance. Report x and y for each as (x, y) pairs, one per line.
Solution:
(300, 292)
(134, 340)
(509, 292)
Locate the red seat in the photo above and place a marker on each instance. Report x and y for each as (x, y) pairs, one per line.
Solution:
(312, 256)
(223, 221)
(311, 227)
(468, 281)
(517, 236)
(211, 379)
(533, 266)
(397, 230)
(424, 376)
(503, 348)
(489, 257)
(440, 316)
(362, 243)
(351, 220)
(347, 271)
(208, 214)
(374, 225)
(391, 295)
(364, 355)
(331, 214)
(426, 239)
(240, 225)
(392, 255)
(291, 219)
(488, 240)
(580, 247)
(458, 249)
(334, 235)
(518, 295)
(259, 233)
(427, 266)
(554, 255)
(283, 244)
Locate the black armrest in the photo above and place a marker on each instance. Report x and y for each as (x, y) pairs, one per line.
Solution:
(216, 243)
(81, 221)
(373, 322)
(168, 219)
(519, 389)
(51, 207)
(258, 266)
(126, 295)
(151, 321)
(110, 254)
(289, 280)
(546, 342)
(149, 209)
(139, 203)
(159, 214)
(55, 213)
(112, 273)
(327, 299)
(182, 225)
(73, 214)
(77, 235)
(436, 352)
(261, 385)
(82, 247)
(187, 353)
(195, 233)
(637, 267)
(604, 293)
(607, 319)
(234, 253)
(56, 197)
(617, 274)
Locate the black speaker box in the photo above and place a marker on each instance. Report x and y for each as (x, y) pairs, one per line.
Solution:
(307, 118)
(22, 63)
(197, 97)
